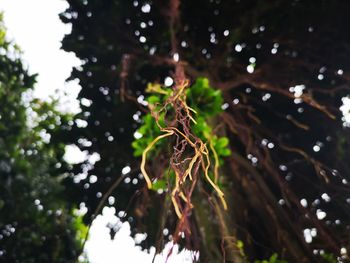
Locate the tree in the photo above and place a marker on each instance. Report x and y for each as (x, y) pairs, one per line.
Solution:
(36, 222)
(282, 70)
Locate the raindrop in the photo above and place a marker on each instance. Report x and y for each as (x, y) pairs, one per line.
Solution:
(303, 202)
(168, 81)
(307, 235)
(225, 106)
(93, 179)
(266, 97)
(238, 48)
(252, 59)
(127, 180)
(142, 39)
(176, 57)
(126, 170)
(326, 197)
(152, 50)
(250, 68)
(323, 70)
(320, 76)
(111, 200)
(165, 231)
(146, 8)
(270, 145)
(137, 135)
(316, 148)
(320, 214)
(283, 167)
(313, 232)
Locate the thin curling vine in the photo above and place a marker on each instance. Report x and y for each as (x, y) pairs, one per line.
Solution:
(182, 115)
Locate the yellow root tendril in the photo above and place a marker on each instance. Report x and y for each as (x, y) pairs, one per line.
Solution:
(144, 157)
(216, 165)
(217, 189)
(173, 193)
(190, 166)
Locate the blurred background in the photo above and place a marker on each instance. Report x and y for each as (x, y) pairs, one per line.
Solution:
(73, 76)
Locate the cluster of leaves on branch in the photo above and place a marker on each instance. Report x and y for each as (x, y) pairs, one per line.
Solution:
(207, 103)
(193, 149)
(37, 223)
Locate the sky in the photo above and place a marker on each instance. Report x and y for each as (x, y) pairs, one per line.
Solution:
(35, 26)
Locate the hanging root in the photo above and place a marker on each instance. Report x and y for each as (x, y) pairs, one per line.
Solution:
(144, 156)
(216, 165)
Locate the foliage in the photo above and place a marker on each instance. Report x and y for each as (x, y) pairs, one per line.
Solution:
(206, 101)
(329, 258)
(36, 222)
(272, 259)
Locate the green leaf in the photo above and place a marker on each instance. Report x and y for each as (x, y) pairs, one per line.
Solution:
(203, 98)
(159, 184)
(153, 99)
(225, 152)
(222, 142)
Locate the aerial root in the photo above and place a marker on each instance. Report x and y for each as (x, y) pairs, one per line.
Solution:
(201, 152)
(144, 157)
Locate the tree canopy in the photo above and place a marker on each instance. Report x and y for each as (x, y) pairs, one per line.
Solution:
(37, 223)
(282, 69)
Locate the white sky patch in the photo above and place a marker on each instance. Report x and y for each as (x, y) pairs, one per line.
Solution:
(345, 109)
(35, 26)
(73, 154)
(101, 248)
